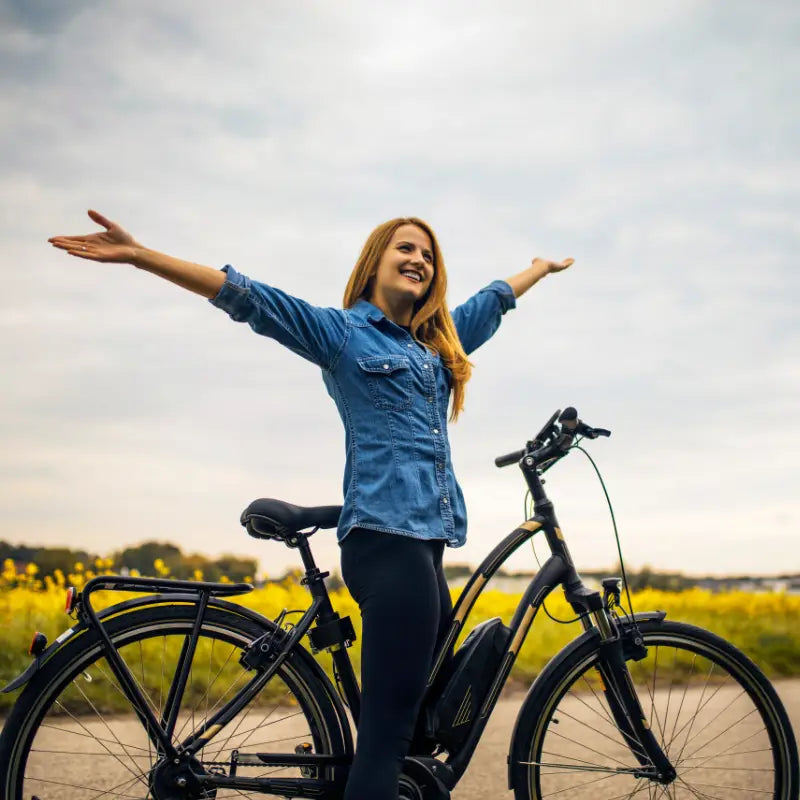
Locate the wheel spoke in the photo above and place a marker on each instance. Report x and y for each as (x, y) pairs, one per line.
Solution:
(669, 698)
(105, 723)
(206, 697)
(592, 749)
(73, 732)
(700, 707)
(86, 745)
(112, 791)
(715, 738)
(606, 716)
(686, 685)
(259, 726)
(724, 752)
(717, 731)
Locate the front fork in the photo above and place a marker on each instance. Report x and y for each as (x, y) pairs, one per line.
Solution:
(616, 646)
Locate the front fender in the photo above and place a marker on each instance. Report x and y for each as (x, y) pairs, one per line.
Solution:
(554, 665)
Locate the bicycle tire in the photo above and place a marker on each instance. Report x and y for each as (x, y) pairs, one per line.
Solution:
(63, 737)
(706, 703)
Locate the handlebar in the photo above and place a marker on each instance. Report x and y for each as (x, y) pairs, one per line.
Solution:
(553, 440)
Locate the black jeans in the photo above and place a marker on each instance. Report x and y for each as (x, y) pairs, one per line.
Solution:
(399, 585)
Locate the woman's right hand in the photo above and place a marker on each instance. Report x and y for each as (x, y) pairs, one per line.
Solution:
(114, 244)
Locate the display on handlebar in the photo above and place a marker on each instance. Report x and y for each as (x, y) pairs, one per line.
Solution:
(552, 442)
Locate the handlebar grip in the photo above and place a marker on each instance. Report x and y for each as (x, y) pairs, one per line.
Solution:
(509, 458)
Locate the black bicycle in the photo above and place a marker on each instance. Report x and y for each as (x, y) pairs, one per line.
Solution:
(222, 702)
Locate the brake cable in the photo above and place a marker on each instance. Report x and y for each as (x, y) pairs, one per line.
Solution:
(613, 522)
(536, 556)
(577, 446)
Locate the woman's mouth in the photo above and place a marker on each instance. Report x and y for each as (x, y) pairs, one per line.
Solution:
(412, 275)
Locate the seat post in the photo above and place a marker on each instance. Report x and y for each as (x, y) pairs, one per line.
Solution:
(305, 553)
(315, 580)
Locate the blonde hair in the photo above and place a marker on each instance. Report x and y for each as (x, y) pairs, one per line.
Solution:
(431, 323)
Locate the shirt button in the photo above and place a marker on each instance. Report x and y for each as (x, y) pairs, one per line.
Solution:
(386, 366)
(436, 430)
(444, 500)
(410, 344)
(430, 399)
(424, 366)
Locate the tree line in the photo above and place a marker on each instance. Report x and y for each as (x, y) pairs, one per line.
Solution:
(141, 557)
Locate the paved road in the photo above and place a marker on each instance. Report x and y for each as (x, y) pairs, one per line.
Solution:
(486, 776)
(484, 780)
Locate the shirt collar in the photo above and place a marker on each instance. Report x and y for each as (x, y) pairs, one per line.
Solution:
(365, 310)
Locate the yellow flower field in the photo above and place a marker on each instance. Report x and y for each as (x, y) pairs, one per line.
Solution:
(765, 626)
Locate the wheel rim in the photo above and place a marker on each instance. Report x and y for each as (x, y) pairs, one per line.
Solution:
(79, 745)
(716, 727)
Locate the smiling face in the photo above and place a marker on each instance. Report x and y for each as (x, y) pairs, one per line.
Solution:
(405, 272)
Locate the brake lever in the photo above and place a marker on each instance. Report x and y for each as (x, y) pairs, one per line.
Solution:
(592, 433)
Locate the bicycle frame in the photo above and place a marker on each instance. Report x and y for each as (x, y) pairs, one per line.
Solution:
(558, 570)
(269, 651)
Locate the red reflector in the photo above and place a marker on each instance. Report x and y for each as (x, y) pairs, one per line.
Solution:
(38, 644)
(72, 594)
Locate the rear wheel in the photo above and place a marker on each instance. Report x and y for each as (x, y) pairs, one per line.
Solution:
(72, 733)
(713, 712)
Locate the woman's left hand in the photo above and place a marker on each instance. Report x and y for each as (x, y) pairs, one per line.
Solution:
(551, 266)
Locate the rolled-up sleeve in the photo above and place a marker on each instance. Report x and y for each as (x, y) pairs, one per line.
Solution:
(477, 320)
(315, 333)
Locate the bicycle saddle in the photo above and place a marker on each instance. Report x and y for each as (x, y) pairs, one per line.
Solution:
(274, 519)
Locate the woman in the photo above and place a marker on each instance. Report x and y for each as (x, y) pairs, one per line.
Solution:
(390, 359)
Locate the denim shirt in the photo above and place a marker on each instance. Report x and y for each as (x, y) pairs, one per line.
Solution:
(392, 394)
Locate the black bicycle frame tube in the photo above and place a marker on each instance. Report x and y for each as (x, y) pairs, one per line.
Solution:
(178, 685)
(155, 732)
(553, 573)
(177, 591)
(341, 659)
(200, 737)
(155, 729)
(476, 584)
(559, 569)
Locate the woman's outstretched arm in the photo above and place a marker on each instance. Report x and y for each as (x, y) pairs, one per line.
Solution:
(116, 245)
(522, 281)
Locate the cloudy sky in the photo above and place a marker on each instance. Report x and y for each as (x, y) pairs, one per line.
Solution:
(656, 143)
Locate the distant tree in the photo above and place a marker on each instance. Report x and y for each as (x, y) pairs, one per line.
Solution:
(236, 568)
(49, 559)
(143, 556)
(20, 554)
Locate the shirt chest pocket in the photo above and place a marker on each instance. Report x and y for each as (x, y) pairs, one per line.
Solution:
(389, 381)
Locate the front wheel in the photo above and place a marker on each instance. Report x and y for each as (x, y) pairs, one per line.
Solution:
(713, 712)
(73, 735)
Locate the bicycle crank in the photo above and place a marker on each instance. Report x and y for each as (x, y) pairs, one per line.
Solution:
(418, 780)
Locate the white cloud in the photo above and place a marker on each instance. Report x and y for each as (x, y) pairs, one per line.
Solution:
(653, 143)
